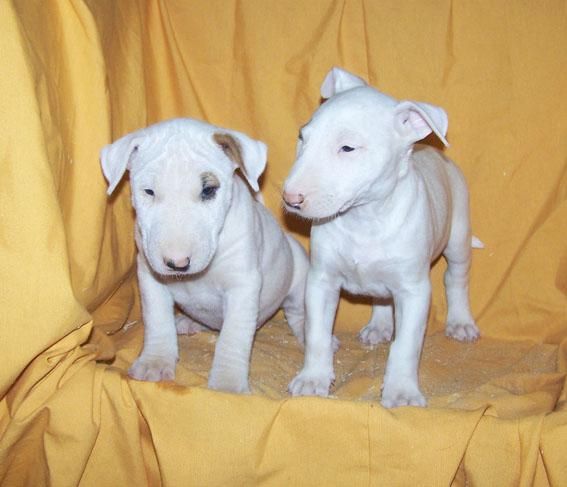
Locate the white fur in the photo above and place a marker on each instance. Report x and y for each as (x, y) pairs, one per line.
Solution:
(382, 213)
(241, 266)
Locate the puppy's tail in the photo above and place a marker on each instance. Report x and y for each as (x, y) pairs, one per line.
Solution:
(476, 243)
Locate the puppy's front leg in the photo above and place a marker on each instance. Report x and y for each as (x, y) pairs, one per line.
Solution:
(231, 362)
(321, 300)
(159, 354)
(401, 386)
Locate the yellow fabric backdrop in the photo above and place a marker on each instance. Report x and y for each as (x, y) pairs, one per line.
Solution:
(78, 74)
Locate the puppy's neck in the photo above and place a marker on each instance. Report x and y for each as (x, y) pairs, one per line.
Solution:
(398, 176)
(389, 197)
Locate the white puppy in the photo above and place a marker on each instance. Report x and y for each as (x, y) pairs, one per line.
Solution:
(383, 210)
(205, 244)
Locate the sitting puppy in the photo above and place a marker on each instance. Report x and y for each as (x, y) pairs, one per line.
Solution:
(205, 244)
(383, 210)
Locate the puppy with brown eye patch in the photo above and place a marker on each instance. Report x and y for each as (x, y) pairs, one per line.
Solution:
(210, 186)
(217, 253)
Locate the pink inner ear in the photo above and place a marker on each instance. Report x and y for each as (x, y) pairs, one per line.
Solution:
(417, 120)
(418, 123)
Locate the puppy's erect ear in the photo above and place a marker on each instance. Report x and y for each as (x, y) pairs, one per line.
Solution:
(415, 121)
(115, 158)
(246, 153)
(338, 80)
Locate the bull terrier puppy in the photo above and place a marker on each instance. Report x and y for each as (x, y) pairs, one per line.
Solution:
(206, 244)
(383, 209)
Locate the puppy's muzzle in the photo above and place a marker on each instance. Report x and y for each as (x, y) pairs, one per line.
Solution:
(179, 265)
(293, 200)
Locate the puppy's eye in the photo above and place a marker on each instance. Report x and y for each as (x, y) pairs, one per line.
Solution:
(149, 191)
(300, 137)
(209, 192)
(346, 148)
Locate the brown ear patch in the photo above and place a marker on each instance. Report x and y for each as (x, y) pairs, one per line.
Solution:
(230, 147)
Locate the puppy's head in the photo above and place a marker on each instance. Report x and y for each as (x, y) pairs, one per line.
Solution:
(181, 176)
(355, 147)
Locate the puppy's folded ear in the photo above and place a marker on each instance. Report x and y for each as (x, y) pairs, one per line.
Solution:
(115, 158)
(338, 80)
(415, 121)
(246, 153)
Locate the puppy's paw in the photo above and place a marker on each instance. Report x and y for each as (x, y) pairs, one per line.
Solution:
(311, 383)
(187, 326)
(398, 395)
(153, 368)
(372, 335)
(228, 381)
(463, 332)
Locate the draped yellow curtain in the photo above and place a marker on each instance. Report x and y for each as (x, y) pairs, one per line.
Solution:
(77, 74)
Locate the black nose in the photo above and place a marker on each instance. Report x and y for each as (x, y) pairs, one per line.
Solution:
(178, 266)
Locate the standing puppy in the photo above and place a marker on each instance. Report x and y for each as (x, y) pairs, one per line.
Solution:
(205, 244)
(383, 210)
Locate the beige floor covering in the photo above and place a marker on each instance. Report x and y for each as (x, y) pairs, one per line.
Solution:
(514, 378)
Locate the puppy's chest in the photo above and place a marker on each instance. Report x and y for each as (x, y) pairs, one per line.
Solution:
(200, 300)
(368, 270)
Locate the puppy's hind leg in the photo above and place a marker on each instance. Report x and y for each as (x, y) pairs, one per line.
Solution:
(186, 325)
(460, 322)
(380, 328)
(294, 310)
